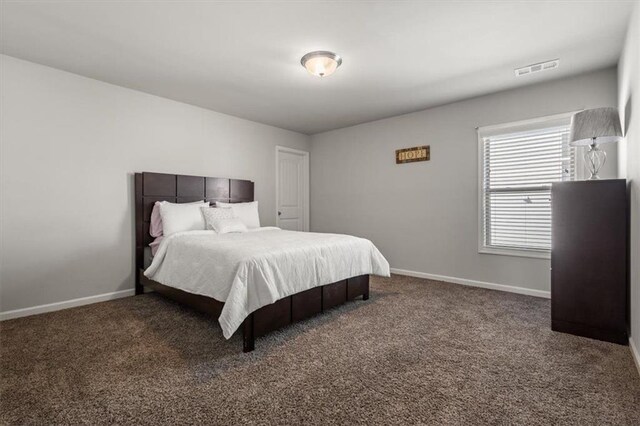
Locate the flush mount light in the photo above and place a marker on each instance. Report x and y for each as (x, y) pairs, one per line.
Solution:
(321, 63)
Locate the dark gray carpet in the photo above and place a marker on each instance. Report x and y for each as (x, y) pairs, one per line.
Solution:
(417, 352)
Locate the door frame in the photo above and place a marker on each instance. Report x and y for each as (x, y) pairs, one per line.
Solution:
(305, 174)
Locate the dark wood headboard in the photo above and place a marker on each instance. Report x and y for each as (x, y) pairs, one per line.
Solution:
(152, 187)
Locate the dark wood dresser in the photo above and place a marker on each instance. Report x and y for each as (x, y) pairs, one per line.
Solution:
(589, 258)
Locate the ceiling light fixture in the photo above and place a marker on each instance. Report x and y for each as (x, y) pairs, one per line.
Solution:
(321, 63)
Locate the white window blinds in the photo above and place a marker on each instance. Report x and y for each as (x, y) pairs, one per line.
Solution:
(517, 168)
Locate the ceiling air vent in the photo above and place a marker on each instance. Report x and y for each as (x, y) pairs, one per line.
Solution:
(542, 66)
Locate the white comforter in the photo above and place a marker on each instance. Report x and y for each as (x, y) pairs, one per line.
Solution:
(250, 270)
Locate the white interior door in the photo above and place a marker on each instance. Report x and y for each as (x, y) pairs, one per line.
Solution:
(292, 192)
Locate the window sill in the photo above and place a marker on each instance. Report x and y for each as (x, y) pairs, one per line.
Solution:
(515, 252)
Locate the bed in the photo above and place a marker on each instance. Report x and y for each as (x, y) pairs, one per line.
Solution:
(254, 282)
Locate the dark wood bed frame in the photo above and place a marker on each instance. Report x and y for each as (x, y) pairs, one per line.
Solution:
(152, 187)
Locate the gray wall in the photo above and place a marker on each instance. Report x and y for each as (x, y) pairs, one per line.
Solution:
(424, 216)
(69, 145)
(629, 106)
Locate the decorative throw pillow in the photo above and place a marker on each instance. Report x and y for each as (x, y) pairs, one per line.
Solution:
(246, 212)
(226, 226)
(213, 214)
(181, 217)
(155, 227)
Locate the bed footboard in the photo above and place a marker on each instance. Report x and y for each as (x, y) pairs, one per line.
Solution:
(289, 310)
(300, 306)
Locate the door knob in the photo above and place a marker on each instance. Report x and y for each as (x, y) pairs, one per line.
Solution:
(279, 213)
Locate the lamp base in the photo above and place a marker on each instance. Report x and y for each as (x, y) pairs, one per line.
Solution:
(594, 159)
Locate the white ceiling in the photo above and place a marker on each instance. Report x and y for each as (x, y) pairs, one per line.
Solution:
(242, 58)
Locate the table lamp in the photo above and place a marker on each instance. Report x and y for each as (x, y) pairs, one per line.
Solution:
(593, 127)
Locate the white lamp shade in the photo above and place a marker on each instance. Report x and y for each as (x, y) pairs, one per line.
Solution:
(603, 124)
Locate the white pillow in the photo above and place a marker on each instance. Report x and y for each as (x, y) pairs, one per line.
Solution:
(155, 227)
(212, 214)
(181, 217)
(246, 212)
(225, 226)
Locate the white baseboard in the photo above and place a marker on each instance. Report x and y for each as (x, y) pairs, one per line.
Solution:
(473, 283)
(24, 312)
(635, 354)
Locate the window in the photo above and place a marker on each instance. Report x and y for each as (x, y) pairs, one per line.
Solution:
(517, 164)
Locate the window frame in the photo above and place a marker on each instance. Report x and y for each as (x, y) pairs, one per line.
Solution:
(505, 128)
